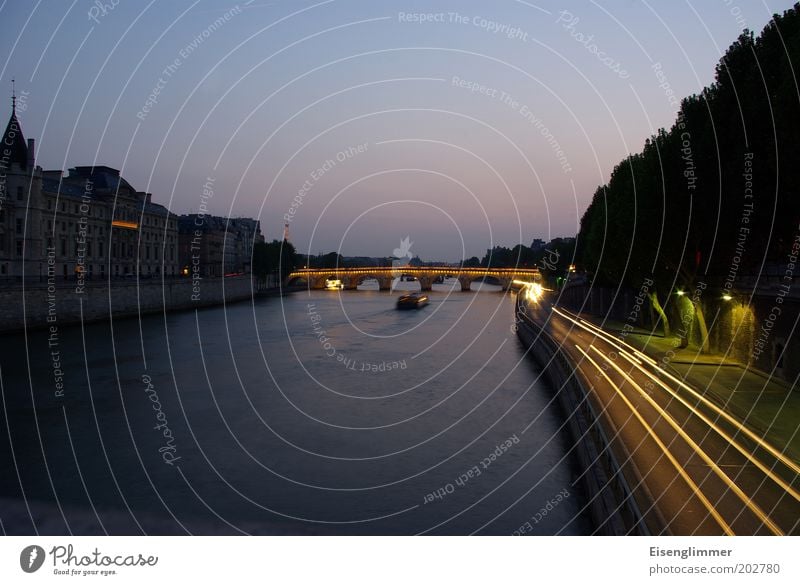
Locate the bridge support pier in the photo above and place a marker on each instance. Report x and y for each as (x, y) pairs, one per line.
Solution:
(427, 276)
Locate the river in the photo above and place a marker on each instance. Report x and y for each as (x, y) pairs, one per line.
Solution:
(314, 413)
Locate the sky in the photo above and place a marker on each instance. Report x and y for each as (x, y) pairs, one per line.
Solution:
(458, 124)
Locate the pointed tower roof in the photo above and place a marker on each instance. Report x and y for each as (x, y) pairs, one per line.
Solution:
(12, 147)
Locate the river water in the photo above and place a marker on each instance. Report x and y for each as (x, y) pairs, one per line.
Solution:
(315, 413)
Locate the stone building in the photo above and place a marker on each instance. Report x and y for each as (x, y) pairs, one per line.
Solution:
(86, 225)
(212, 246)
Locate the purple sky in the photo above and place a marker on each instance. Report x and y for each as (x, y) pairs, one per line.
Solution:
(486, 124)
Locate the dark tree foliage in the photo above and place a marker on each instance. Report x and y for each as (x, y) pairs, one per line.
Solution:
(275, 257)
(677, 212)
(329, 260)
(555, 257)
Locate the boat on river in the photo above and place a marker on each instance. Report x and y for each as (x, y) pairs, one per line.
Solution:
(412, 301)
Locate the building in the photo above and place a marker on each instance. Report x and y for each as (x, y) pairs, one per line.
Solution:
(212, 246)
(88, 224)
(538, 244)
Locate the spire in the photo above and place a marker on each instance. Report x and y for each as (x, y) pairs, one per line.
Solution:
(14, 148)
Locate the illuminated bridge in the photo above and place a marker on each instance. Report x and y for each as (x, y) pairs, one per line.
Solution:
(317, 278)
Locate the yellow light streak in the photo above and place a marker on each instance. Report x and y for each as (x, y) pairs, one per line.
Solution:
(719, 431)
(766, 446)
(761, 442)
(694, 487)
(594, 330)
(748, 501)
(646, 358)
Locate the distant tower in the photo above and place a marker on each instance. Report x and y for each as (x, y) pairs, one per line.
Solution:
(286, 232)
(21, 201)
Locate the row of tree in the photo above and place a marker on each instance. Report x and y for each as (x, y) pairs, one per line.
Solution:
(278, 258)
(275, 259)
(556, 255)
(716, 197)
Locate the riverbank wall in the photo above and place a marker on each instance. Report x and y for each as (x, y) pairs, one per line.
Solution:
(612, 505)
(42, 305)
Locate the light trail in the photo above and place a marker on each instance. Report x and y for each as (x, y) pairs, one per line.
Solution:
(596, 332)
(769, 473)
(694, 487)
(748, 501)
(738, 424)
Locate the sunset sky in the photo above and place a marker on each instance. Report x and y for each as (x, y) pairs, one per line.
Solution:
(486, 124)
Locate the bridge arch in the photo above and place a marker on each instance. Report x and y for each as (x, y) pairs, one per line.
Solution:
(467, 281)
(355, 280)
(427, 276)
(297, 280)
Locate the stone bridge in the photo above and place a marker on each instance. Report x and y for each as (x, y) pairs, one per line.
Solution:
(316, 278)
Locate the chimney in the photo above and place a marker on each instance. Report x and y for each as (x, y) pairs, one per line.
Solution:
(31, 157)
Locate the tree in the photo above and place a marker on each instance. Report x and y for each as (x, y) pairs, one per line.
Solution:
(678, 213)
(473, 262)
(276, 259)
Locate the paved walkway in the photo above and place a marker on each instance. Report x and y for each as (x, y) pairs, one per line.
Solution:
(768, 405)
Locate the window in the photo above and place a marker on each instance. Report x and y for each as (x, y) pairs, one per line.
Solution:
(63, 246)
(20, 194)
(100, 248)
(19, 225)
(63, 226)
(50, 225)
(49, 204)
(19, 247)
(88, 249)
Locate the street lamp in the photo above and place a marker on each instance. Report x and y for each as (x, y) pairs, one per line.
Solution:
(727, 297)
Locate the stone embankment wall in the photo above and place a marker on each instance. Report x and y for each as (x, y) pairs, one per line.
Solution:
(613, 506)
(40, 305)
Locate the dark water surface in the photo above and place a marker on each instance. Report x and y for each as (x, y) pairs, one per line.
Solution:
(319, 412)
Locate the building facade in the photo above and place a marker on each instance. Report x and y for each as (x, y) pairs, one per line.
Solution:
(212, 246)
(88, 224)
